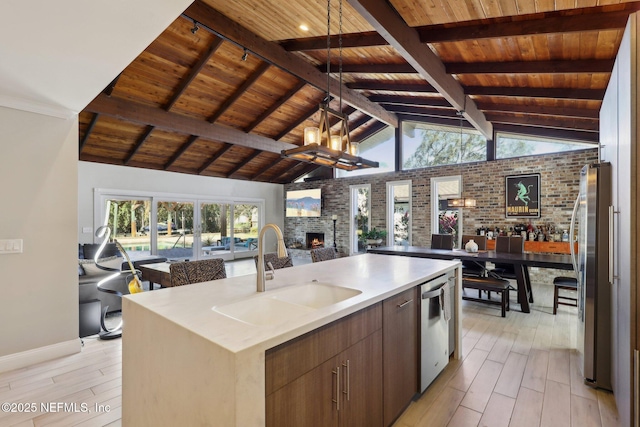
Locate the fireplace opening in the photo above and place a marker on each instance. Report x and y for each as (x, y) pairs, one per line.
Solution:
(315, 240)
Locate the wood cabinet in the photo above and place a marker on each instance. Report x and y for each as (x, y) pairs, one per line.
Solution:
(329, 377)
(400, 315)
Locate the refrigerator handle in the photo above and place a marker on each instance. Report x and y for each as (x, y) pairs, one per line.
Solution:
(611, 244)
(572, 229)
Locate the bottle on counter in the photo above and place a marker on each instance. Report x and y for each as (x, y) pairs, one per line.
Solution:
(565, 236)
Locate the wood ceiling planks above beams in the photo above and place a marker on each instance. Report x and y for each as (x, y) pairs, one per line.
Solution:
(193, 72)
(386, 21)
(161, 119)
(192, 139)
(145, 135)
(215, 157)
(583, 19)
(243, 163)
(276, 55)
(262, 68)
(87, 132)
(574, 20)
(266, 113)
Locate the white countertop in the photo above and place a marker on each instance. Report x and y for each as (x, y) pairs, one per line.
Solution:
(377, 276)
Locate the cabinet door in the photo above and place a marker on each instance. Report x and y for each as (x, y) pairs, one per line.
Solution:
(400, 354)
(308, 400)
(361, 378)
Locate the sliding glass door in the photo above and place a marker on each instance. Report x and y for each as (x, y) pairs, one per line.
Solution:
(174, 229)
(177, 228)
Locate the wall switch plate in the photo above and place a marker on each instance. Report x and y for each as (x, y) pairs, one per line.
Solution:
(10, 246)
(87, 229)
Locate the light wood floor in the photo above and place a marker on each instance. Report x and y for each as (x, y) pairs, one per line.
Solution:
(518, 371)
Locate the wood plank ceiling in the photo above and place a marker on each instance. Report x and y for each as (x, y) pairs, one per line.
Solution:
(228, 85)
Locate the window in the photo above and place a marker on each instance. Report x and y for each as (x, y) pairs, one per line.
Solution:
(511, 145)
(129, 222)
(360, 216)
(445, 220)
(380, 148)
(425, 145)
(399, 213)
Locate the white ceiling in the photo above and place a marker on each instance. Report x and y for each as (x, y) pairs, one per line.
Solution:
(56, 56)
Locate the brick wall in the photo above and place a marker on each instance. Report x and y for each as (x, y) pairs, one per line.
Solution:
(483, 181)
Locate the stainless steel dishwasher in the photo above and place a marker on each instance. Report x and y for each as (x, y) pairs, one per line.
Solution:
(434, 327)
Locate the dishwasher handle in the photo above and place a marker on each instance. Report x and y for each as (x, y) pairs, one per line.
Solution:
(432, 294)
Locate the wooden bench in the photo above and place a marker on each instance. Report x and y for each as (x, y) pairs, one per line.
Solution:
(489, 284)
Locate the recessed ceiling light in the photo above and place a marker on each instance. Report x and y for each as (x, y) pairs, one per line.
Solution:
(304, 27)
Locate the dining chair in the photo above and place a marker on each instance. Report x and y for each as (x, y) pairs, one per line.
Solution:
(275, 261)
(508, 244)
(473, 268)
(187, 272)
(323, 254)
(442, 241)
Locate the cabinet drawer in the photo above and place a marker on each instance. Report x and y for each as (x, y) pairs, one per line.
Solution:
(291, 359)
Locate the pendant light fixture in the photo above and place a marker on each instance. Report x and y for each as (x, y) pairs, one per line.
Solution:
(320, 145)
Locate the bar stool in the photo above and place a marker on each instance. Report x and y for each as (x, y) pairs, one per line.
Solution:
(568, 284)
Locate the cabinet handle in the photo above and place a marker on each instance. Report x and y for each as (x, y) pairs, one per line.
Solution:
(347, 390)
(336, 372)
(405, 303)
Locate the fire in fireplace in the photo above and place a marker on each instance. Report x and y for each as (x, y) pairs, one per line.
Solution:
(315, 240)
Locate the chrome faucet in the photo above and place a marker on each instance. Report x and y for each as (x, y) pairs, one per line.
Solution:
(282, 252)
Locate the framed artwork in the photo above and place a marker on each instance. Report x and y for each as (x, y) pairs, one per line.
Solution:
(522, 196)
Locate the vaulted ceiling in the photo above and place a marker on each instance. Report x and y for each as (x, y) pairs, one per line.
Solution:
(190, 103)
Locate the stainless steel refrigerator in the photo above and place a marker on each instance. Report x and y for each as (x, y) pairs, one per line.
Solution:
(591, 218)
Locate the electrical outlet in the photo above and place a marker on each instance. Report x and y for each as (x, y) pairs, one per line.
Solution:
(10, 246)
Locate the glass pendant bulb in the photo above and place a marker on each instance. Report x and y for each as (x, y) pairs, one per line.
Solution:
(336, 142)
(311, 135)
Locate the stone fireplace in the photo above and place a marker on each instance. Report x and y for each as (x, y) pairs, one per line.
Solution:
(315, 240)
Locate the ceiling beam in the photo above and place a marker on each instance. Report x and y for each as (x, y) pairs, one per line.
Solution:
(192, 139)
(273, 53)
(588, 113)
(581, 19)
(392, 86)
(307, 170)
(585, 19)
(262, 68)
(536, 92)
(430, 101)
(361, 121)
(531, 67)
(284, 177)
(366, 39)
(423, 111)
(370, 68)
(304, 116)
(566, 134)
(545, 121)
(153, 116)
(215, 157)
(512, 67)
(243, 163)
(139, 144)
(404, 39)
(87, 132)
(266, 168)
(193, 72)
(371, 130)
(284, 98)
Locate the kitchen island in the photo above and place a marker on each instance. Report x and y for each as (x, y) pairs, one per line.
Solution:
(193, 356)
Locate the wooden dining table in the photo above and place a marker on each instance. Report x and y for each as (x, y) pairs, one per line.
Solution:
(521, 263)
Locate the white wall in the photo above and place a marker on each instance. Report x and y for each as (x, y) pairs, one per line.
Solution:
(38, 200)
(96, 175)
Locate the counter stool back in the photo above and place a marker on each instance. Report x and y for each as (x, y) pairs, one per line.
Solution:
(185, 273)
